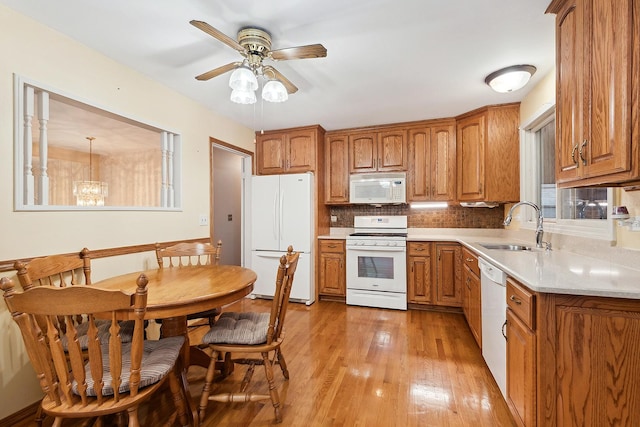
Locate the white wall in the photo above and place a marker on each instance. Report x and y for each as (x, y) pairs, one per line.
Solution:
(37, 52)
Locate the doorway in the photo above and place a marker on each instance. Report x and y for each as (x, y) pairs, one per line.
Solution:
(230, 174)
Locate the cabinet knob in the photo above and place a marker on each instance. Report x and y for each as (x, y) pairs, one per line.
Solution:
(469, 259)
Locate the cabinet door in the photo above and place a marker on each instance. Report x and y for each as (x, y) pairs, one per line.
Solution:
(363, 152)
(470, 141)
(419, 161)
(419, 280)
(448, 274)
(569, 100)
(300, 151)
(392, 151)
(332, 274)
(471, 303)
(609, 43)
(443, 163)
(336, 169)
(521, 371)
(270, 150)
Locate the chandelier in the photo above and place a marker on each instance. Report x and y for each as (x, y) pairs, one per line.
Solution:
(244, 83)
(90, 193)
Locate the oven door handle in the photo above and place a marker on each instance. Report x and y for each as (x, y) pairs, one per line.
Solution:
(377, 248)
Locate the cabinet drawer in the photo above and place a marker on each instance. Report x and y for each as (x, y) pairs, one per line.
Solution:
(332, 246)
(419, 248)
(522, 302)
(470, 260)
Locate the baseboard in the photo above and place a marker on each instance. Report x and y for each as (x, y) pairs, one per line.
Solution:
(28, 413)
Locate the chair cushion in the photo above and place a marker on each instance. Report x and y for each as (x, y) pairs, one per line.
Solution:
(158, 358)
(126, 333)
(238, 328)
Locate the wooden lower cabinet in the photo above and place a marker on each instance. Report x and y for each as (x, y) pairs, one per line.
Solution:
(419, 279)
(521, 371)
(472, 304)
(448, 265)
(572, 360)
(332, 276)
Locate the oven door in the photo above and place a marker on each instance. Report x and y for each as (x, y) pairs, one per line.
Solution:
(377, 268)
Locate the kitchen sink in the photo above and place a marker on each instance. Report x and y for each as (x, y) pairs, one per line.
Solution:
(506, 247)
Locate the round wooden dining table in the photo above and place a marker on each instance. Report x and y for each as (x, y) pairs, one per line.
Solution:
(175, 292)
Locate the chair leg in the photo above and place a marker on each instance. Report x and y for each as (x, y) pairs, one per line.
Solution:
(206, 389)
(133, 417)
(273, 391)
(39, 416)
(283, 364)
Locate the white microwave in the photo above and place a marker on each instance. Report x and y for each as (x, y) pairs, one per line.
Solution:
(378, 188)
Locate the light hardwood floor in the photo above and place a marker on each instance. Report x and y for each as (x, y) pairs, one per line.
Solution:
(356, 366)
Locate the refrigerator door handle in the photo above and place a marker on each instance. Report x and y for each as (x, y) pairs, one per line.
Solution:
(271, 255)
(275, 215)
(281, 214)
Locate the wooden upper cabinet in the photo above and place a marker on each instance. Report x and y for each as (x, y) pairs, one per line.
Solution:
(488, 154)
(597, 45)
(270, 153)
(378, 151)
(336, 169)
(431, 163)
(288, 151)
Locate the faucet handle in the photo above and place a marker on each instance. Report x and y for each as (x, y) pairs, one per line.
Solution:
(547, 246)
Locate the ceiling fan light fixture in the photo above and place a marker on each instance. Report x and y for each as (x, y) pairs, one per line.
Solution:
(274, 91)
(511, 78)
(243, 96)
(243, 79)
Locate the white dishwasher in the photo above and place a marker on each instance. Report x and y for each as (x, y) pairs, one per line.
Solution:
(494, 316)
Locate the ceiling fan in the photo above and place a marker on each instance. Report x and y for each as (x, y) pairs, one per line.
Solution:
(254, 44)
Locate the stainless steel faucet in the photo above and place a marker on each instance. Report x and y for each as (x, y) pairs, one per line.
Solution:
(539, 230)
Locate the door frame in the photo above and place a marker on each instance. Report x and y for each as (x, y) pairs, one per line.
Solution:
(247, 170)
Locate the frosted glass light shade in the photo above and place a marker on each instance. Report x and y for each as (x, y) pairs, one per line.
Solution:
(511, 78)
(243, 96)
(274, 91)
(243, 79)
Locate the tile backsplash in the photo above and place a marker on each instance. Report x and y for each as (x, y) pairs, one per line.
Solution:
(451, 217)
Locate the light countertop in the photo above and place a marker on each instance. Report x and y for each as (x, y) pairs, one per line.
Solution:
(556, 271)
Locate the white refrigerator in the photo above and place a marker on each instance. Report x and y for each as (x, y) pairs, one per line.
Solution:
(282, 213)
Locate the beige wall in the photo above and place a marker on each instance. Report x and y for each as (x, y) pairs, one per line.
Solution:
(46, 56)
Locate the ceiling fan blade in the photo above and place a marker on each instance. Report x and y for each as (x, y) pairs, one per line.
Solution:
(218, 35)
(217, 71)
(299, 52)
(291, 88)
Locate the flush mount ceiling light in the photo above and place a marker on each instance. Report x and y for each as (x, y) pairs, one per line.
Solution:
(511, 78)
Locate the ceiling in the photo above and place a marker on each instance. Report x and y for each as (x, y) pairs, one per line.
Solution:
(387, 61)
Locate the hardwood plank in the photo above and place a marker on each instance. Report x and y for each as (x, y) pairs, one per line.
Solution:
(357, 366)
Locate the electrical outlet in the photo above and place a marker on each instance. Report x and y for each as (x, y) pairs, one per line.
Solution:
(203, 220)
(334, 218)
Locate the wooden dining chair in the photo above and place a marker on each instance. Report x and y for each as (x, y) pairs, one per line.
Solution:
(114, 376)
(63, 271)
(186, 254)
(249, 332)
